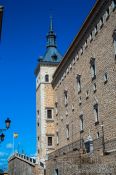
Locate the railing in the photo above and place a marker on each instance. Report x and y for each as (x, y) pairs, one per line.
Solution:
(24, 157)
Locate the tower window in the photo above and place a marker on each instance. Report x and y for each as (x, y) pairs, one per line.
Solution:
(46, 78)
(38, 114)
(49, 113)
(49, 141)
(78, 83)
(81, 123)
(93, 68)
(95, 108)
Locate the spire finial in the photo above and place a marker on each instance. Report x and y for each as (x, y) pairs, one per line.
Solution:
(51, 36)
(51, 23)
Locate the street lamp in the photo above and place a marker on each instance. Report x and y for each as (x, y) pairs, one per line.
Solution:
(7, 123)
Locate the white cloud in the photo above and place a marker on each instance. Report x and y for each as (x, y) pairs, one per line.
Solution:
(9, 145)
(2, 154)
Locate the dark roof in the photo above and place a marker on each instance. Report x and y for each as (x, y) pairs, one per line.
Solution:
(52, 55)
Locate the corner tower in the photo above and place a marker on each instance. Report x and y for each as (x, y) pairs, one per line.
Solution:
(45, 97)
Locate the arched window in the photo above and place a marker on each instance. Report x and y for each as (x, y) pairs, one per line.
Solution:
(46, 78)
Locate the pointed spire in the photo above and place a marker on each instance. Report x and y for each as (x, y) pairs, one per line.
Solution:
(51, 24)
(51, 36)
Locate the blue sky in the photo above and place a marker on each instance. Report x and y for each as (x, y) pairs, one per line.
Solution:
(25, 25)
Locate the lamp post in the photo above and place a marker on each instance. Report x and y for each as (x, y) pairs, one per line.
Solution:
(7, 123)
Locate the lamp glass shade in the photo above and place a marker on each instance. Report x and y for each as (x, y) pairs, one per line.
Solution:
(7, 121)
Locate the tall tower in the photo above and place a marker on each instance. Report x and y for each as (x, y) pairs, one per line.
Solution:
(45, 97)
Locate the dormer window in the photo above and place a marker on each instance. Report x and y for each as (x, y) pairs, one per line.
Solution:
(54, 57)
(46, 78)
(93, 68)
(78, 83)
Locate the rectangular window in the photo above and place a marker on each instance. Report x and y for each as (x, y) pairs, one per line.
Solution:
(49, 113)
(37, 113)
(101, 22)
(96, 114)
(57, 137)
(49, 141)
(46, 78)
(67, 131)
(114, 41)
(85, 44)
(66, 97)
(78, 83)
(93, 68)
(90, 37)
(107, 14)
(81, 50)
(114, 4)
(81, 122)
(56, 172)
(56, 107)
(95, 29)
(105, 78)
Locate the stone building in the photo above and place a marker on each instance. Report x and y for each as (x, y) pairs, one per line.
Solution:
(45, 98)
(84, 85)
(19, 164)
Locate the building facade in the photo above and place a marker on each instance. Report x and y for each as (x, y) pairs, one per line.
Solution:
(84, 85)
(20, 164)
(45, 98)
